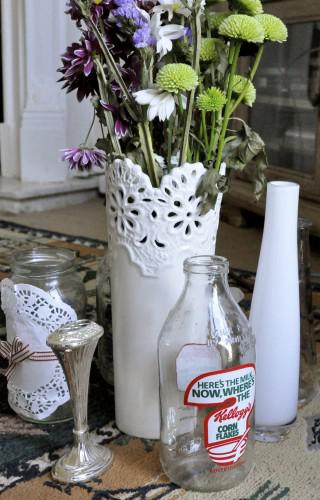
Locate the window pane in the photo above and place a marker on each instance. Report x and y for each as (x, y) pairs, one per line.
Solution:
(288, 96)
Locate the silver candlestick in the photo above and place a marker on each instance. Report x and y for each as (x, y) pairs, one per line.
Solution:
(74, 345)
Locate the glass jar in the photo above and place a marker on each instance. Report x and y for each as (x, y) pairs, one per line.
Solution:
(104, 318)
(308, 355)
(207, 380)
(51, 270)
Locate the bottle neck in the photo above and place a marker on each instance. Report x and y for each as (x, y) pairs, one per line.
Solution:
(217, 280)
(206, 272)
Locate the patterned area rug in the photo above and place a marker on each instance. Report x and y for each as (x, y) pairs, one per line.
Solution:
(27, 451)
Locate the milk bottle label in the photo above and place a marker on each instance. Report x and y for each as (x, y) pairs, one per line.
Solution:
(229, 397)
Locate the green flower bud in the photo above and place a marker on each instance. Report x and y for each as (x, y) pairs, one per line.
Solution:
(239, 83)
(177, 78)
(242, 27)
(249, 7)
(216, 18)
(275, 30)
(208, 51)
(211, 99)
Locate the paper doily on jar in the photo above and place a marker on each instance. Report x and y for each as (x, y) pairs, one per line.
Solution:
(36, 388)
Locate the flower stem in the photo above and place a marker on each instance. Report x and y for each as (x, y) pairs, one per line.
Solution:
(180, 104)
(191, 96)
(250, 78)
(146, 145)
(90, 128)
(169, 142)
(234, 60)
(213, 135)
(129, 101)
(108, 115)
(204, 128)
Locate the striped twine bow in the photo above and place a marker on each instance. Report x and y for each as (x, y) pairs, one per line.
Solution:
(17, 351)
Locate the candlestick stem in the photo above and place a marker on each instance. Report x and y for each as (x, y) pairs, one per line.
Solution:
(74, 345)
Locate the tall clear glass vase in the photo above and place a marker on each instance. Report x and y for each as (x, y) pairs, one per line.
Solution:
(308, 357)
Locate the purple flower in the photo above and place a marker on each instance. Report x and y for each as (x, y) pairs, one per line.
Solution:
(107, 106)
(97, 10)
(131, 73)
(142, 36)
(77, 69)
(81, 57)
(188, 34)
(83, 158)
(120, 128)
(122, 119)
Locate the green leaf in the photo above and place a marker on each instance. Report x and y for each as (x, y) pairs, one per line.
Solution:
(208, 190)
(245, 148)
(103, 144)
(260, 178)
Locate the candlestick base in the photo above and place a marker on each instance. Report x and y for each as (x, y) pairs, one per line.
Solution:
(82, 463)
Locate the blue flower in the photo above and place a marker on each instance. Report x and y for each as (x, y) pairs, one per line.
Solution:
(128, 10)
(142, 36)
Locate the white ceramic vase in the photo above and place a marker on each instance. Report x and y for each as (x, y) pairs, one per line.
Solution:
(150, 232)
(275, 315)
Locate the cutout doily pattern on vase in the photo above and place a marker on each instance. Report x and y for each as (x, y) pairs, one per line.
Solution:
(154, 224)
(36, 389)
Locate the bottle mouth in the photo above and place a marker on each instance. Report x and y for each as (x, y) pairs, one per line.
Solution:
(283, 184)
(206, 264)
(39, 262)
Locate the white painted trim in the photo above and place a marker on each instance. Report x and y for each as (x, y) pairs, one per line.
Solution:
(13, 85)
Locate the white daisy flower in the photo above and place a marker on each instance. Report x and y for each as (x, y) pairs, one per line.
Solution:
(160, 161)
(165, 34)
(161, 103)
(171, 7)
(191, 2)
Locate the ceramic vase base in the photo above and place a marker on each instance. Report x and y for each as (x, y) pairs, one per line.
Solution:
(142, 434)
(95, 461)
(272, 434)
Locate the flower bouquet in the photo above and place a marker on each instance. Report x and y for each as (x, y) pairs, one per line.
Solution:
(163, 78)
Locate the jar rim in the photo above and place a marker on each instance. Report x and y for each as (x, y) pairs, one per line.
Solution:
(41, 261)
(206, 264)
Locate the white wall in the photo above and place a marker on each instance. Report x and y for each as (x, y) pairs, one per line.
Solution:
(39, 118)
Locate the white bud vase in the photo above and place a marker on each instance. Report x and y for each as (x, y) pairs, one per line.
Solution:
(275, 316)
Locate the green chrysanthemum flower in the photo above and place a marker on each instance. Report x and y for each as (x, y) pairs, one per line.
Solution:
(249, 7)
(216, 18)
(242, 27)
(208, 50)
(239, 83)
(275, 30)
(177, 78)
(211, 100)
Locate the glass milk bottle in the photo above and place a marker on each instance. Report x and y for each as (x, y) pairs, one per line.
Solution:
(207, 381)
